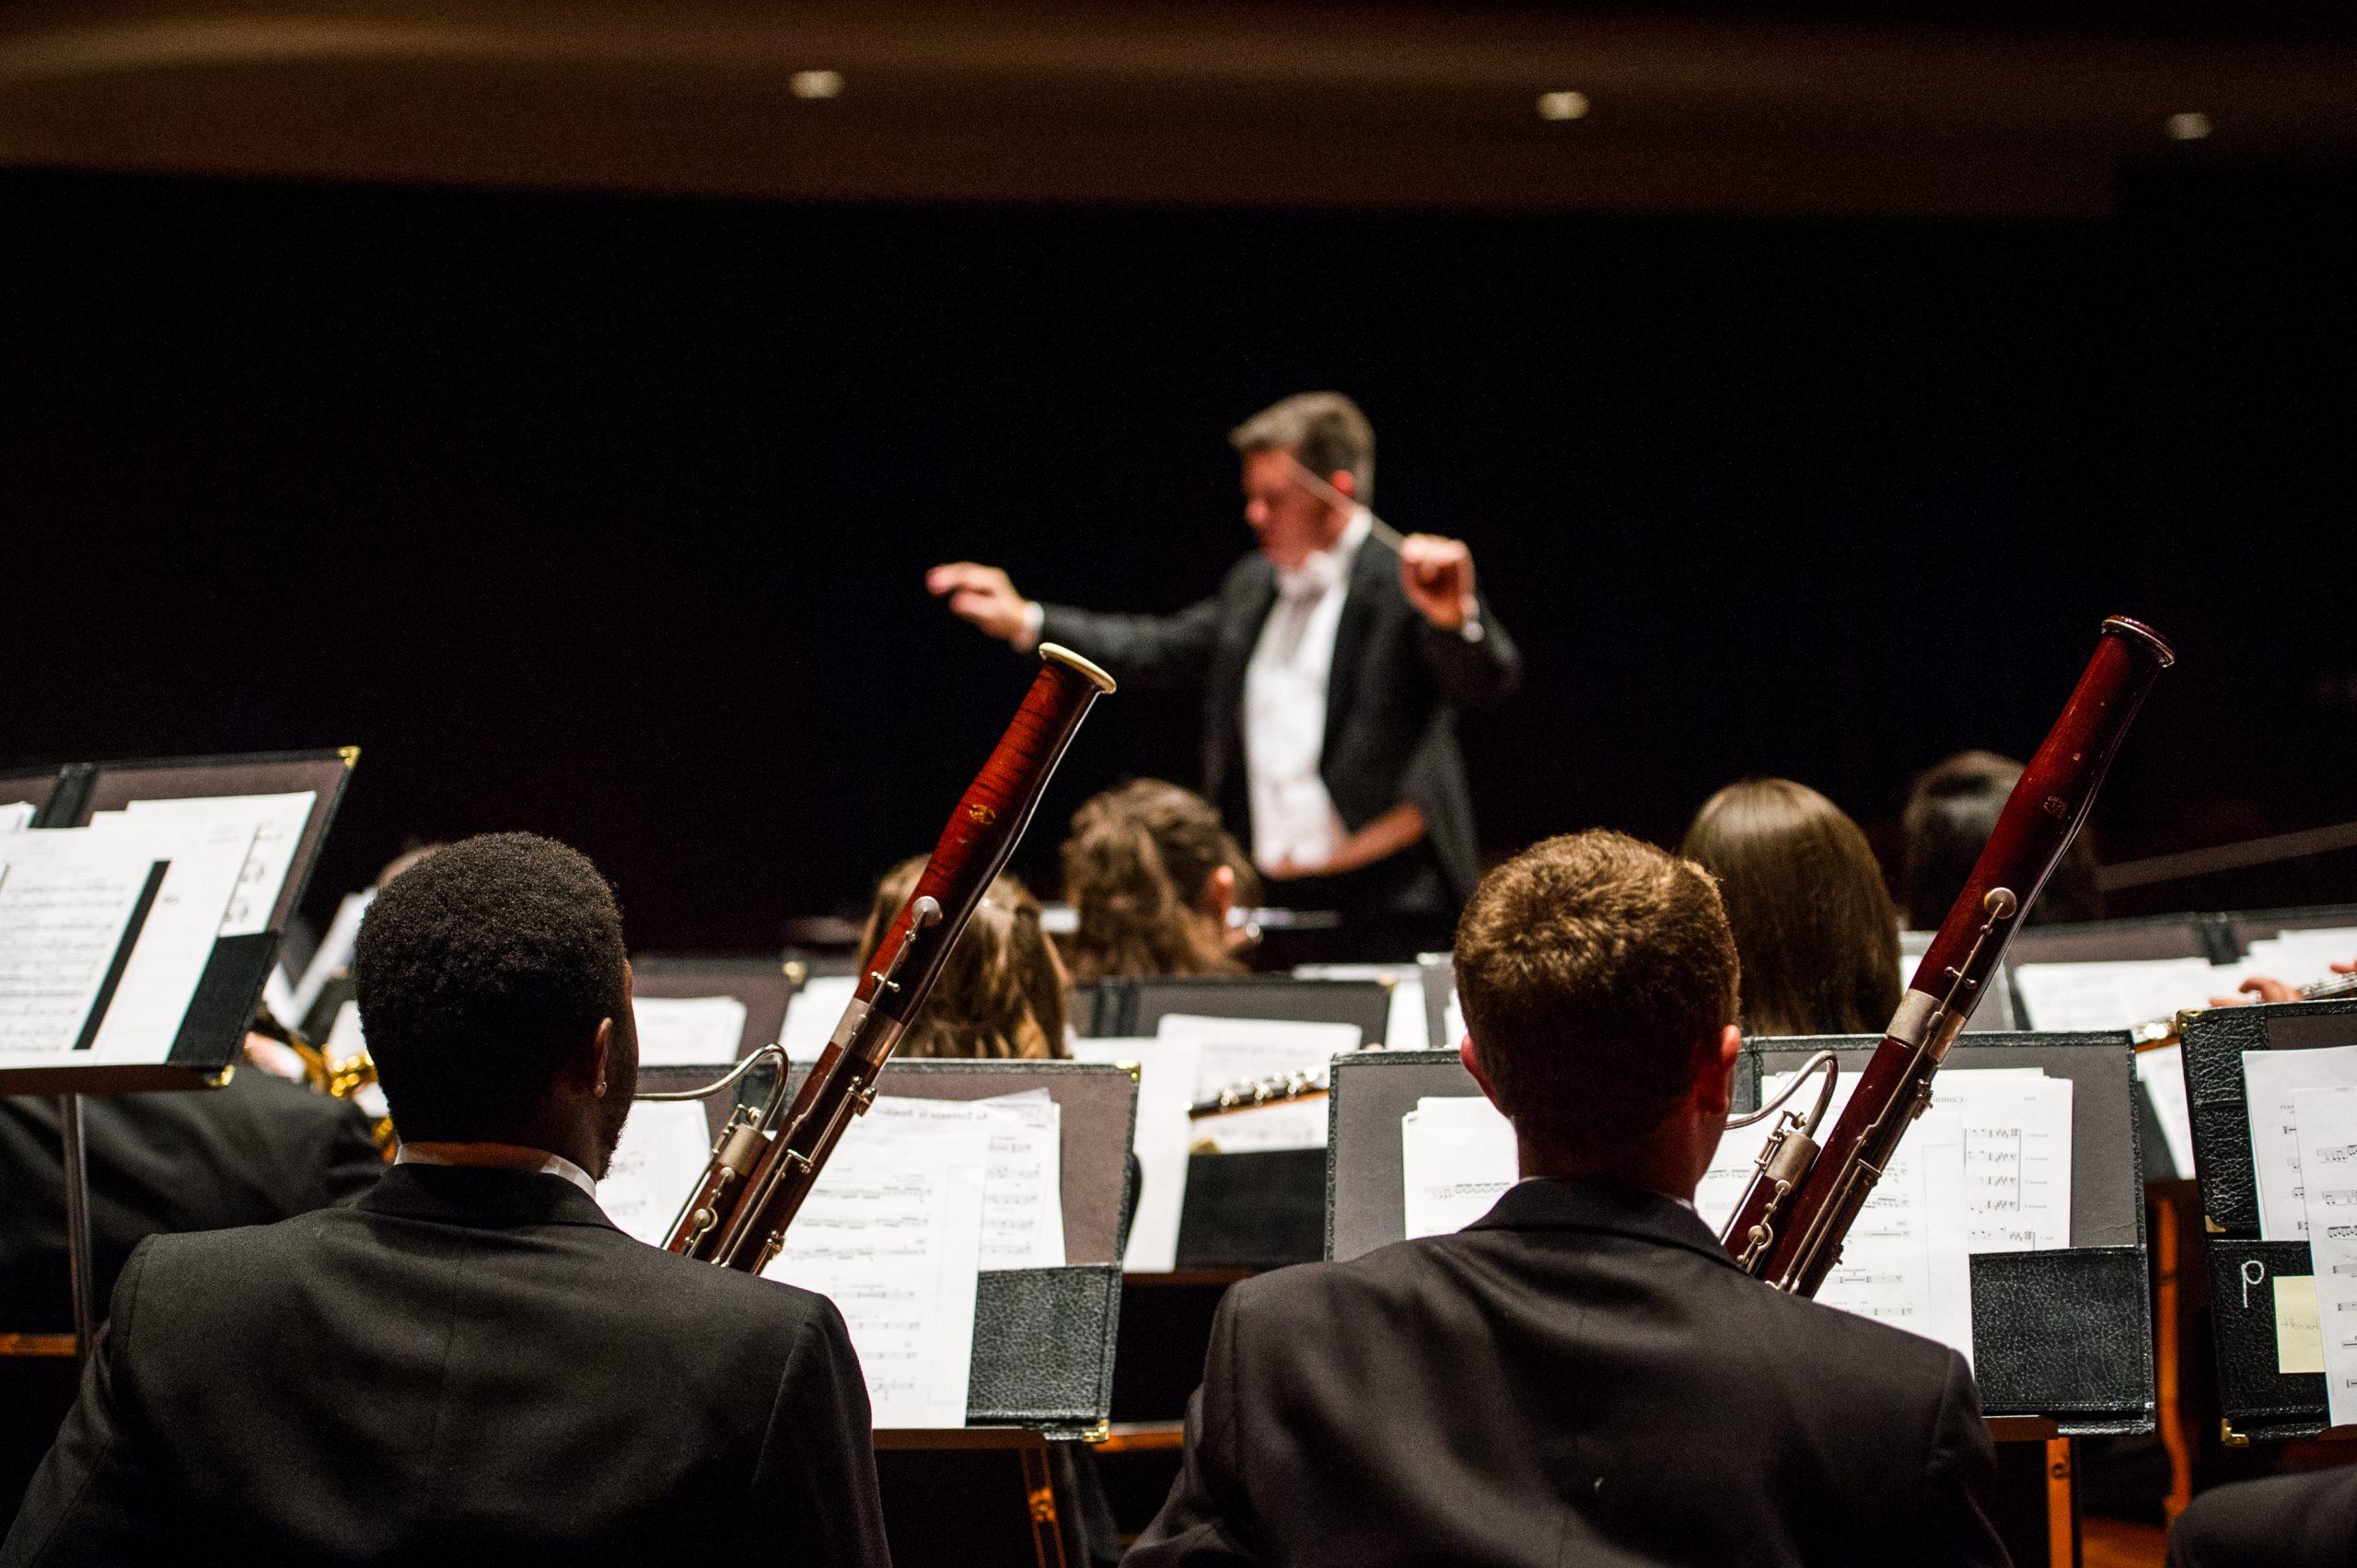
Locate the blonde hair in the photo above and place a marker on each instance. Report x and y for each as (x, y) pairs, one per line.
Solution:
(1003, 993)
(1135, 870)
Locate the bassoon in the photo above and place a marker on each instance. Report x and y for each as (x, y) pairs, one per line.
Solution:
(766, 1161)
(1789, 1228)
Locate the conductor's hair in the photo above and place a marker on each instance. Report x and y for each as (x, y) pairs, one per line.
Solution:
(1002, 992)
(482, 971)
(1805, 899)
(1135, 869)
(1950, 813)
(1596, 973)
(1324, 430)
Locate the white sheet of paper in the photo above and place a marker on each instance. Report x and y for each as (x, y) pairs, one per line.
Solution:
(1238, 1049)
(811, 1017)
(664, 1149)
(16, 815)
(2301, 958)
(333, 955)
(1023, 1190)
(2162, 1071)
(1456, 1156)
(688, 1032)
(2328, 1139)
(892, 1233)
(2270, 1080)
(1405, 1029)
(64, 900)
(1166, 1073)
(278, 995)
(277, 822)
(2116, 995)
(1987, 1168)
(144, 1017)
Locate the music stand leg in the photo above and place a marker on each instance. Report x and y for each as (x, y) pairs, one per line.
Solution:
(75, 1155)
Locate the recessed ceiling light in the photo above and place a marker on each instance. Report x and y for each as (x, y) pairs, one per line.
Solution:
(2187, 127)
(816, 84)
(1562, 106)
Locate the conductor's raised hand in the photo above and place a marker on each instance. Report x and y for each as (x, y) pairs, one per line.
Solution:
(983, 595)
(1436, 574)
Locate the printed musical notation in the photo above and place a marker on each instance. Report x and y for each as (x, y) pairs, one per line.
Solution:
(2325, 1135)
(2273, 1080)
(1457, 1156)
(688, 1032)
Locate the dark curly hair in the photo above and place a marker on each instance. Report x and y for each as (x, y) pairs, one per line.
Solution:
(480, 972)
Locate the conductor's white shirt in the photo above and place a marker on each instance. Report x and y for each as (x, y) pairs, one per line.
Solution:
(1284, 708)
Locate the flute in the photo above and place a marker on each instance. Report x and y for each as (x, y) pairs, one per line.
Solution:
(1788, 1229)
(766, 1162)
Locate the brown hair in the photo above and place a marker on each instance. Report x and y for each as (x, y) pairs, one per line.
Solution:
(1804, 896)
(1950, 814)
(1596, 973)
(1003, 993)
(1324, 430)
(1135, 868)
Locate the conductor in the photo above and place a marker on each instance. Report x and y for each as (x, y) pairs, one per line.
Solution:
(1331, 662)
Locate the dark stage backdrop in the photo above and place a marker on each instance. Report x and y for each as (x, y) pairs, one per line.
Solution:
(606, 518)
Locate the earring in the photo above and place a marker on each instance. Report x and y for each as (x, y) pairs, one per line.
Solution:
(601, 1088)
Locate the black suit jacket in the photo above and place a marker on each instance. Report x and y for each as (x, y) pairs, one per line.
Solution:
(466, 1366)
(1580, 1377)
(1390, 718)
(255, 1151)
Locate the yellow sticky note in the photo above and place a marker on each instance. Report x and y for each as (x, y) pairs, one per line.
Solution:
(2299, 1331)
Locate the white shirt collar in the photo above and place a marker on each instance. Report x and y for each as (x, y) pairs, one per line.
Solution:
(551, 1165)
(1331, 567)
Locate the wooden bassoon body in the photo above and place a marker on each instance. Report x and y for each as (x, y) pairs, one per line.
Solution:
(766, 1161)
(1806, 1191)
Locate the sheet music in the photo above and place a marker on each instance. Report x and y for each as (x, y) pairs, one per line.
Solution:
(277, 822)
(811, 1017)
(1236, 1049)
(16, 815)
(1405, 1029)
(688, 1032)
(664, 1149)
(2327, 1142)
(1987, 1168)
(2117, 995)
(278, 996)
(1023, 1190)
(2162, 1071)
(64, 903)
(1457, 1156)
(2270, 1080)
(892, 1233)
(333, 955)
(1166, 1073)
(2301, 958)
(70, 896)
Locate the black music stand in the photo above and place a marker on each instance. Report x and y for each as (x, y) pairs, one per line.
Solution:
(2258, 1400)
(1044, 1338)
(211, 1034)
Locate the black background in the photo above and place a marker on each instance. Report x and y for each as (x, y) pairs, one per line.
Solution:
(606, 517)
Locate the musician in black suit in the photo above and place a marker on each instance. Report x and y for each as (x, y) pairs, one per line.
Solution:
(2284, 1521)
(255, 1151)
(1581, 1377)
(470, 1365)
(1331, 663)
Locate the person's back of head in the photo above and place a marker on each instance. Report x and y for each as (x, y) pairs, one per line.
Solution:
(1598, 981)
(1003, 993)
(494, 987)
(1805, 899)
(1151, 875)
(1951, 811)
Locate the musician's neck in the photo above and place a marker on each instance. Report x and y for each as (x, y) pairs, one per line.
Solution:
(1654, 1167)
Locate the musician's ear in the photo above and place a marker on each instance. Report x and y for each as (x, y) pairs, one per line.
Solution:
(1218, 896)
(1345, 481)
(1470, 1055)
(1718, 1083)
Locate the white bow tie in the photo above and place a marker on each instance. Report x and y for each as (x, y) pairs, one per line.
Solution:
(1311, 579)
